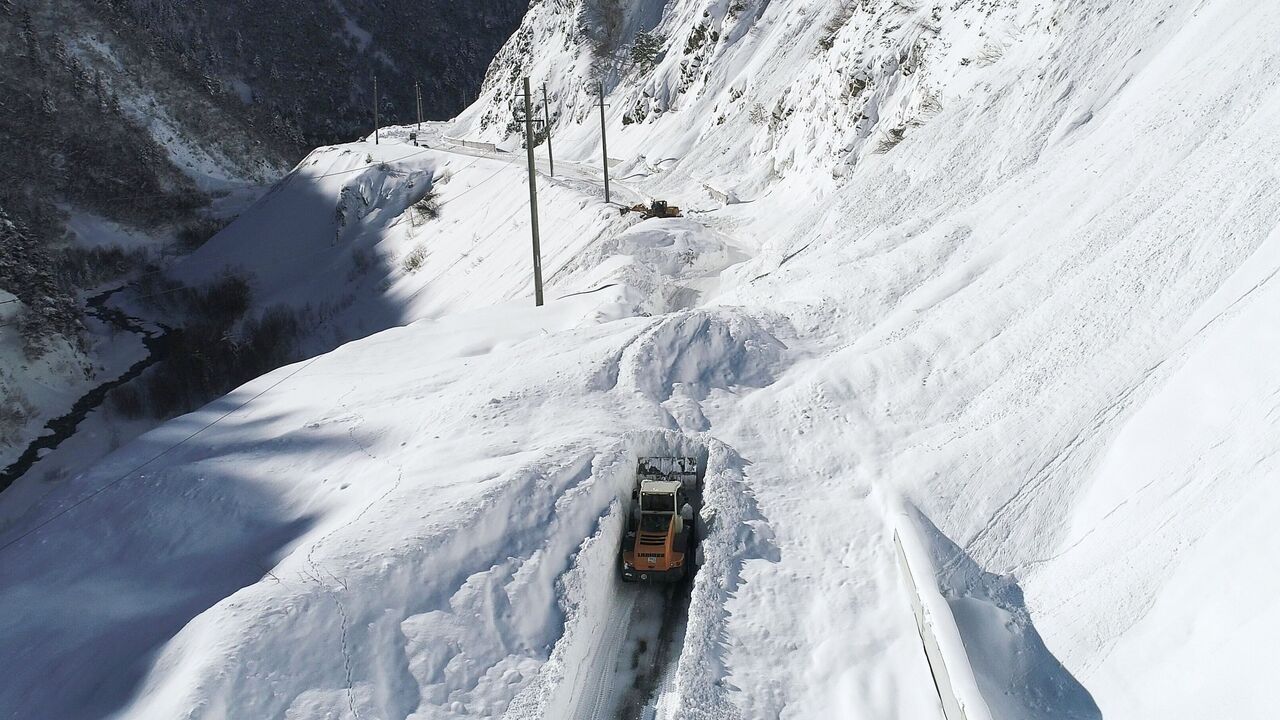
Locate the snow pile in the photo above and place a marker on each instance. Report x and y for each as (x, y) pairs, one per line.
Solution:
(1039, 315)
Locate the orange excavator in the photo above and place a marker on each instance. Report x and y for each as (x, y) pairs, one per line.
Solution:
(658, 543)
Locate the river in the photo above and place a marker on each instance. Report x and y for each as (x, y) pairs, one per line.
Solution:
(158, 343)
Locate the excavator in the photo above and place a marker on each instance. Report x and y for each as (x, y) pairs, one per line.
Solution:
(655, 209)
(658, 542)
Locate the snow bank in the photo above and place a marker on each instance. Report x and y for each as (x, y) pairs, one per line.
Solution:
(990, 660)
(943, 645)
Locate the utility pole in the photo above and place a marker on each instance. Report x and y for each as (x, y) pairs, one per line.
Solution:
(546, 109)
(533, 194)
(375, 109)
(604, 144)
(417, 90)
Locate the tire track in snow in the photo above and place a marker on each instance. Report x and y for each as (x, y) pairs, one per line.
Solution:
(612, 648)
(658, 627)
(604, 662)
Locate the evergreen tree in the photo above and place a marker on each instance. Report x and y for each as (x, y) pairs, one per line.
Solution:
(646, 50)
(28, 33)
(48, 108)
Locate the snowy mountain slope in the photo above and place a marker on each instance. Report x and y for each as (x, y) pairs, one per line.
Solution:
(103, 143)
(339, 236)
(381, 473)
(809, 87)
(1041, 319)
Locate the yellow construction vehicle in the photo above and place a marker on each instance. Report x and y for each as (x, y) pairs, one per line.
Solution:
(658, 543)
(655, 209)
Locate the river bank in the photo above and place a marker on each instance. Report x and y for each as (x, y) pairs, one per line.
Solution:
(79, 436)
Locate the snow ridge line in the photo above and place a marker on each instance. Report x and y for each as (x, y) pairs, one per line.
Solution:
(316, 251)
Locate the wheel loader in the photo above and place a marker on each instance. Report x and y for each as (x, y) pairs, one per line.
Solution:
(658, 542)
(655, 209)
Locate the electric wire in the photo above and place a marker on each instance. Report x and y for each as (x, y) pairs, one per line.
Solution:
(125, 476)
(316, 251)
(44, 523)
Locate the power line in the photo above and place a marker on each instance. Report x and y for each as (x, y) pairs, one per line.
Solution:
(482, 182)
(215, 421)
(159, 455)
(318, 250)
(125, 476)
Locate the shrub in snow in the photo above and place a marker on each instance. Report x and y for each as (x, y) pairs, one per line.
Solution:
(427, 208)
(225, 301)
(215, 351)
(415, 259)
(198, 232)
(129, 401)
(362, 261)
(601, 23)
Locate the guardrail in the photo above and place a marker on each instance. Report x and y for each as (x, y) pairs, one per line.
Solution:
(943, 647)
(473, 144)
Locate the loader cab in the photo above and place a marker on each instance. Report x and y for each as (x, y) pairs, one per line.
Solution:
(659, 496)
(658, 532)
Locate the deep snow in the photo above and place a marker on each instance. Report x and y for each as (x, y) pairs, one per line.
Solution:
(1041, 319)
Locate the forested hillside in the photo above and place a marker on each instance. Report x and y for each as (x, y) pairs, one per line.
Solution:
(310, 66)
(161, 120)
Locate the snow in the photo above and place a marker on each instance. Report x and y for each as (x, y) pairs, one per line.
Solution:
(92, 230)
(1041, 318)
(49, 385)
(358, 35)
(926, 564)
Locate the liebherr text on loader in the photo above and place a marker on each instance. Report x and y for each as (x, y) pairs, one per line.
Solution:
(658, 543)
